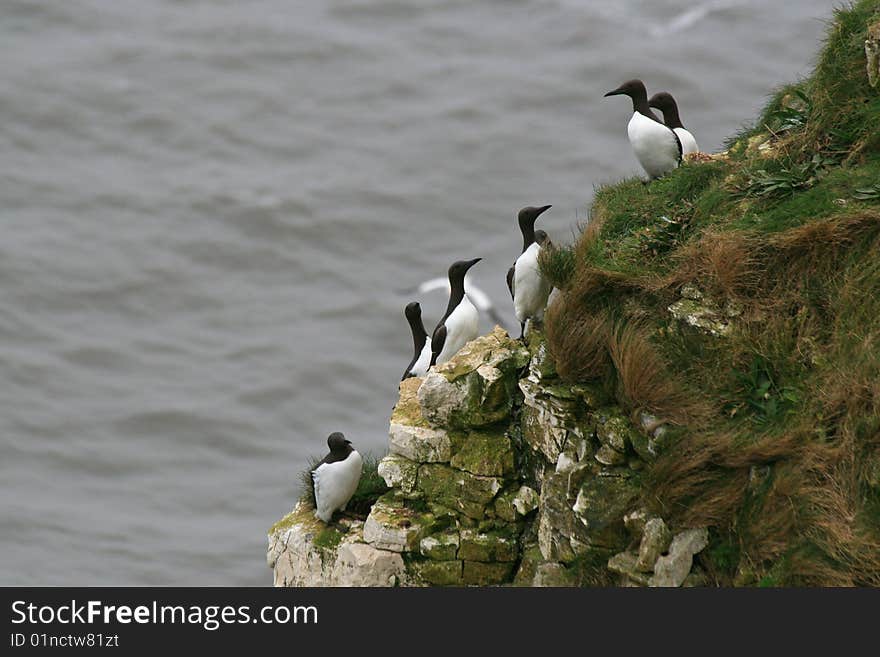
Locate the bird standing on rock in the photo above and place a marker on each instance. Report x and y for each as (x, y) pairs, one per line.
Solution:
(460, 323)
(656, 146)
(421, 359)
(336, 477)
(664, 102)
(524, 279)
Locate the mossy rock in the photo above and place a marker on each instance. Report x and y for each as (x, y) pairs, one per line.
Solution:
(488, 547)
(601, 505)
(528, 566)
(485, 574)
(614, 429)
(641, 445)
(541, 365)
(483, 453)
(328, 539)
(477, 387)
(516, 503)
(399, 472)
(439, 573)
(393, 526)
(440, 547)
(458, 490)
(407, 410)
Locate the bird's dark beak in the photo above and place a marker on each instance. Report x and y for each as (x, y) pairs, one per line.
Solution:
(473, 262)
(348, 442)
(616, 92)
(542, 210)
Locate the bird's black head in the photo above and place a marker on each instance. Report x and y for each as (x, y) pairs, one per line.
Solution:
(337, 442)
(528, 216)
(540, 237)
(459, 268)
(413, 311)
(631, 88)
(635, 89)
(664, 102)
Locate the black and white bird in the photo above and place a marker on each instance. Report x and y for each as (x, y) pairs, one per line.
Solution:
(460, 323)
(656, 146)
(421, 359)
(664, 102)
(336, 477)
(524, 279)
(482, 301)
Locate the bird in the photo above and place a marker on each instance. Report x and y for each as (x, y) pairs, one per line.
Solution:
(336, 477)
(478, 297)
(421, 359)
(656, 146)
(530, 288)
(526, 219)
(664, 102)
(460, 322)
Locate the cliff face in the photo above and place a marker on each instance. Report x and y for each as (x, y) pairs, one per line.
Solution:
(704, 406)
(500, 473)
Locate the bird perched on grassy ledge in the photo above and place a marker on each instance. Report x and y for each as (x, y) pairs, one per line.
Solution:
(370, 486)
(664, 102)
(656, 146)
(532, 283)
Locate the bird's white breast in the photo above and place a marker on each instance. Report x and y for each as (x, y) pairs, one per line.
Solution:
(462, 326)
(654, 145)
(423, 362)
(335, 483)
(530, 288)
(688, 143)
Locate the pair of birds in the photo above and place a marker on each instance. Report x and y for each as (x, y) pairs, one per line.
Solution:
(658, 145)
(529, 290)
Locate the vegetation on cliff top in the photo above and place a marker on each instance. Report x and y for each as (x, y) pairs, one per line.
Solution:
(777, 445)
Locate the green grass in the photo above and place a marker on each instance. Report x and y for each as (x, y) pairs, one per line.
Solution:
(785, 228)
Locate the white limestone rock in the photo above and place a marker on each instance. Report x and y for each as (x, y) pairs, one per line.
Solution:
(655, 540)
(673, 568)
(399, 472)
(419, 444)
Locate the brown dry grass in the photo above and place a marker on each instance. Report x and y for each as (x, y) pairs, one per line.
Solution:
(645, 379)
(578, 340)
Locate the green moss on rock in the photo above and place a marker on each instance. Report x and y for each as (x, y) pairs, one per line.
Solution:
(328, 539)
(483, 453)
(407, 410)
(439, 573)
(493, 546)
(484, 574)
(440, 547)
(601, 505)
(458, 490)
